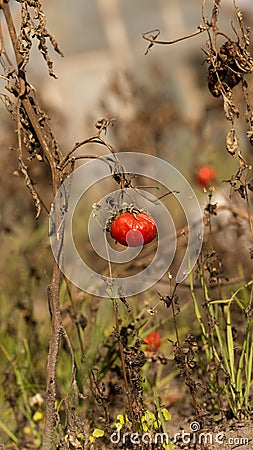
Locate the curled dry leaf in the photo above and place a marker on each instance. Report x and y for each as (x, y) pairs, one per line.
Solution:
(230, 110)
(34, 26)
(30, 186)
(232, 144)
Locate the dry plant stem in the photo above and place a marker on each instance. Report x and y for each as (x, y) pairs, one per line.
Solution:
(49, 438)
(4, 53)
(99, 394)
(214, 21)
(154, 40)
(54, 346)
(66, 159)
(178, 344)
(212, 247)
(75, 312)
(97, 139)
(213, 25)
(249, 212)
(210, 232)
(115, 306)
(174, 314)
(73, 159)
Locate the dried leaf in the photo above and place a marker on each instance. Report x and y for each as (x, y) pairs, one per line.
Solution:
(230, 110)
(29, 184)
(33, 25)
(232, 144)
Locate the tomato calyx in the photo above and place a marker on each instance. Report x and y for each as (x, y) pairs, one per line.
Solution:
(132, 209)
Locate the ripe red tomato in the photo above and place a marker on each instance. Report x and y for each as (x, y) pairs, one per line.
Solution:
(205, 176)
(133, 229)
(153, 341)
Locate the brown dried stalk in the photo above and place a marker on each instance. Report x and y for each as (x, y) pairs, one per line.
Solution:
(152, 36)
(33, 127)
(30, 121)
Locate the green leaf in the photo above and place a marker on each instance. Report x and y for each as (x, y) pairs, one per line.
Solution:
(144, 426)
(98, 433)
(80, 436)
(166, 414)
(38, 415)
(157, 424)
(149, 417)
(8, 432)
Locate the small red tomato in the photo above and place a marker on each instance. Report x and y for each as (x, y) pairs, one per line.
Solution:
(205, 176)
(153, 341)
(133, 230)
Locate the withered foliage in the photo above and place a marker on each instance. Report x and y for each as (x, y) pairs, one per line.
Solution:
(35, 136)
(33, 25)
(228, 66)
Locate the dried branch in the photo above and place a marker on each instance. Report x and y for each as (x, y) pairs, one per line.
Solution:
(24, 172)
(35, 136)
(101, 125)
(152, 38)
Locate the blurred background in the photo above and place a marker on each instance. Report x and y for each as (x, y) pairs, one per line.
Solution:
(160, 104)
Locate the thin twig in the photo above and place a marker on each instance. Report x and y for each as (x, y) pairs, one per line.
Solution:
(91, 140)
(153, 38)
(75, 314)
(102, 125)
(174, 313)
(65, 160)
(79, 157)
(123, 365)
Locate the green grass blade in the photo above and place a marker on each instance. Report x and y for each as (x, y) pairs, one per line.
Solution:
(8, 432)
(239, 374)
(230, 346)
(197, 310)
(248, 375)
